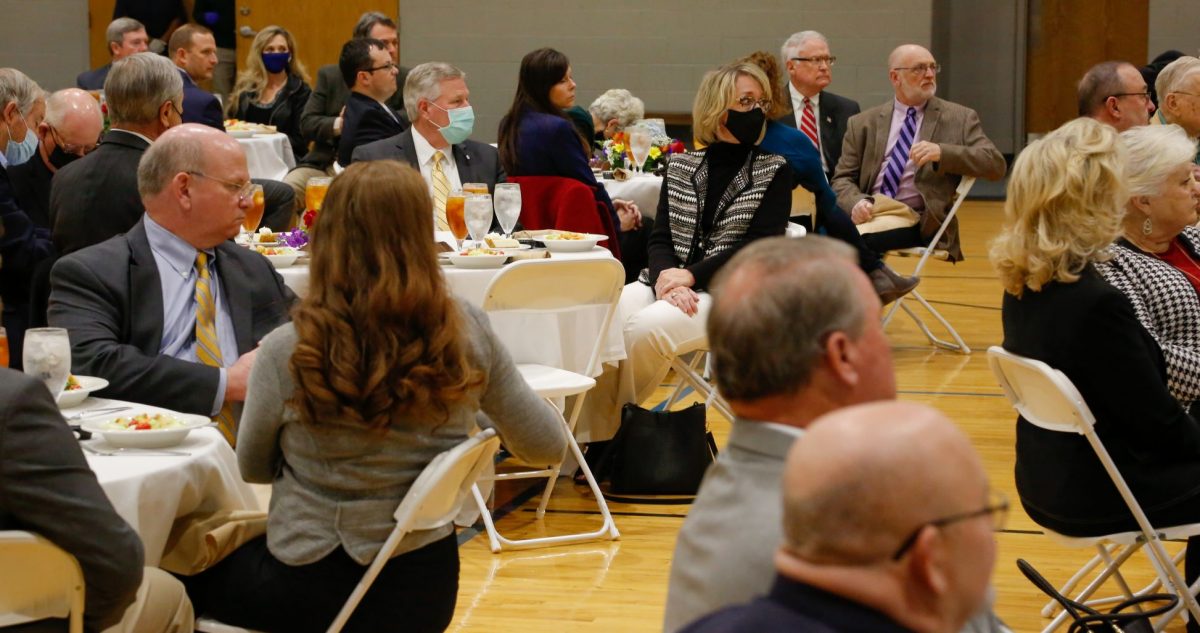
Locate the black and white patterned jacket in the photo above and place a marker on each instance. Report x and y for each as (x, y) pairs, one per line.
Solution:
(1167, 305)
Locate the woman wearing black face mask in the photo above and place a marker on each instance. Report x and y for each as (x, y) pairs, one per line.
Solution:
(273, 88)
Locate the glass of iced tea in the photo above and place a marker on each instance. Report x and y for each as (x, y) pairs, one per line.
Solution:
(3, 348)
(255, 213)
(314, 192)
(455, 203)
(474, 187)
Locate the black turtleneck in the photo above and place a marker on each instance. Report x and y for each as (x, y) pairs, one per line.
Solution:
(724, 162)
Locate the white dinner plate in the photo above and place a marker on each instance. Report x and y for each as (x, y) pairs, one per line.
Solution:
(571, 246)
(240, 133)
(75, 397)
(155, 438)
(478, 261)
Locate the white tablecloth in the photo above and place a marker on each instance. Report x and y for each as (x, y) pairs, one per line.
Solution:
(642, 189)
(150, 492)
(560, 340)
(268, 156)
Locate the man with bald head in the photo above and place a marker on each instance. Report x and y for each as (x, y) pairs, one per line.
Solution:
(886, 527)
(795, 332)
(1114, 93)
(69, 131)
(914, 149)
(170, 312)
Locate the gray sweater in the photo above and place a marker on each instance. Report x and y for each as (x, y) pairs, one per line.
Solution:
(338, 484)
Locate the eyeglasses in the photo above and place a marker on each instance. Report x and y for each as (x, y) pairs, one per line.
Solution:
(1177, 92)
(997, 507)
(749, 104)
(78, 150)
(387, 66)
(243, 190)
(920, 69)
(178, 109)
(1144, 95)
(816, 61)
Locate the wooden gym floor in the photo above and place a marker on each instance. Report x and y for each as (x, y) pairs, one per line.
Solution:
(622, 585)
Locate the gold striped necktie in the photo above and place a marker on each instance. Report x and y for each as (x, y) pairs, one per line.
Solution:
(441, 190)
(208, 348)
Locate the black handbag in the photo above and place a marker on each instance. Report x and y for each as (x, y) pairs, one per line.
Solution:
(1119, 620)
(658, 453)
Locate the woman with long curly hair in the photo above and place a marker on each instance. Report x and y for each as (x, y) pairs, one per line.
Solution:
(379, 371)
(273, 88)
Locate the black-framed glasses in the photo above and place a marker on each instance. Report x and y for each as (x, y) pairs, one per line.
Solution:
(70, 148)
(920, 69)
(387, 66)
(750, 103)
(178, 109)
(997, 508)
(816, 61)
(243, 190)
(1145, 94)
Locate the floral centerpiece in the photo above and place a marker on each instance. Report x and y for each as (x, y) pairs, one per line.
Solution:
(615, 152)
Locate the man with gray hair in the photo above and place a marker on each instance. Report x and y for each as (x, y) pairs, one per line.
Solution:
(614, 111)
(323, 117)
(1178, 86)
(820, 114)
(887, 526)
(69, 131)
(170, 313)
(95, 197)
(125, 37)
(438, 103)
(795, 332)
(1114, 93)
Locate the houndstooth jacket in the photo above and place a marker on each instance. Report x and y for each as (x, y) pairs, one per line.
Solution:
(1167, 305)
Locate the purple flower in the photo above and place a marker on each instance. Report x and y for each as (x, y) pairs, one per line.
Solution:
(296, 238)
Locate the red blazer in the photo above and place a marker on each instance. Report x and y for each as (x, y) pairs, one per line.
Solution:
(555, 202)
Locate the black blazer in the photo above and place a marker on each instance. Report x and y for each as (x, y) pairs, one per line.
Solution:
(200, 106)
(96, 197)
(22, 246)
(475, 161)
(1089, 331)
(93, 79)
(366, 121)
(836, 111)
(31, 185)
(47, 487)
(109, 297)
(322, 109)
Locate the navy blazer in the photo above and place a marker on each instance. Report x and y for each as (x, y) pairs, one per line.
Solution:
(323, 107)
(109, 297)
(366, 120)
(96, 197)
(548, 145)
(22, 246)
(200, 106)
(836, 111)
(93, 79)
(795, 606)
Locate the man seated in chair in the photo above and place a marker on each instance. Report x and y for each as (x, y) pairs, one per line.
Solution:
(1115, 93)
(887, 527)
(47, 488)
(438, 103)
(171, 312)
(794, 333)
(370, 74)
(914, 149)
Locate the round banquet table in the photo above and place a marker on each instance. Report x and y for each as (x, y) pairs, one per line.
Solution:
(151, 491)
(643, 189)
(268, 156)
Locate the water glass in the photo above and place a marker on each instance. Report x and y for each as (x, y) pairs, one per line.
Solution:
(639, 145)
(47, 357)
(508, 206)
(479, 216)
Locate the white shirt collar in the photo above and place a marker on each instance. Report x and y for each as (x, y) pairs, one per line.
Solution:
(141, 136)
(798, 99)
(425, 150)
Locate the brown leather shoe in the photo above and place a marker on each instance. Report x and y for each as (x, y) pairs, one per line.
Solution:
(891, 286)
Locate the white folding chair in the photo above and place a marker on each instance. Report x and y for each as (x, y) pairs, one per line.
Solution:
(1045, 397)
(38, 580)
(926, 253)
(432, 501)
(557, 286)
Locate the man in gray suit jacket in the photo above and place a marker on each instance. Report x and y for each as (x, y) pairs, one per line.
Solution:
(810, 69)
(47, 488)
(133, 304)
(438, 103)
(827, 351)
(949, 143)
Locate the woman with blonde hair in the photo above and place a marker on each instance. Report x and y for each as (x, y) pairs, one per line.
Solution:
(273, 88)
(380, 370)
(1066, 201)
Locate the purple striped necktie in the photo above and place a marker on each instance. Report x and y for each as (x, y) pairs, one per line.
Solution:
(898, 159)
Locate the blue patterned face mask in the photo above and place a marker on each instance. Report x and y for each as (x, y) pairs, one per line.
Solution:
(462, 123)
(18, 152)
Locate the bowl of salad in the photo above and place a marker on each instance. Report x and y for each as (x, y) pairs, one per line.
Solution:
(77, 390)
(148, 429)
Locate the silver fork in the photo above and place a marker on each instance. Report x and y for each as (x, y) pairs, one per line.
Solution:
(133, 451)
(94, 412)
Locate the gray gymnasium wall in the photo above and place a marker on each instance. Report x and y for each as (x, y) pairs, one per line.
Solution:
(1174, 24)
(45, 39)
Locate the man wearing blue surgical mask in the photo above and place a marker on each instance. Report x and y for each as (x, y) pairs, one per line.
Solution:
(22, 120)
(438, 103)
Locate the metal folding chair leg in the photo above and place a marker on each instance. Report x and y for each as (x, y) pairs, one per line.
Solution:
(958, 345)
(690, 375)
